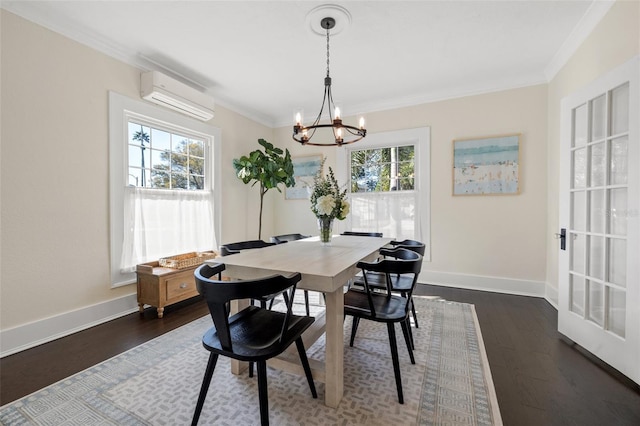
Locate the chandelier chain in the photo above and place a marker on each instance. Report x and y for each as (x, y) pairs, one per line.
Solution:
(327, 52)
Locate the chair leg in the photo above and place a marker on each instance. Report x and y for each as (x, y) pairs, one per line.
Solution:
(354, 329)
(206, 381)
(407, 339)
(396, 362)
(306, 302)
(263, 394)
(250, 368)
(305, 365)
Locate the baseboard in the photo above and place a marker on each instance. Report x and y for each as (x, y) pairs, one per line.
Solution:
(26, 336)
(551, 295)
(484, 283)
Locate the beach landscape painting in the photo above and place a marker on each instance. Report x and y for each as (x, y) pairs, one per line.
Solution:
(486, 165)
(304, 170)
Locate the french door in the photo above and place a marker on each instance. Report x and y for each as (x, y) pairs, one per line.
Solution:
(599, 288)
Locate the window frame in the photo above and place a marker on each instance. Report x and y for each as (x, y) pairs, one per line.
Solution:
(120, 109)
(420, 138)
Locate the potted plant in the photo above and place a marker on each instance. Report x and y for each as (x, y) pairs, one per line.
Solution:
(269, 168)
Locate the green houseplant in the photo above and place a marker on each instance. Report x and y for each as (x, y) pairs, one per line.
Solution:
(269, 168)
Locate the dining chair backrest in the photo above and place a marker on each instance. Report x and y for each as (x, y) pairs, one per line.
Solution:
(218, 294)
(412, 245)
(233, 248)
(396, 261)
(279, 239)
(363, 234)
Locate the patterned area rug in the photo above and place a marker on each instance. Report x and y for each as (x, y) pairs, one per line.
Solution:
(157, 383)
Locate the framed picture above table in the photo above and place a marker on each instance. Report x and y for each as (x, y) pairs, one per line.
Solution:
(487, 166)
(304, 170)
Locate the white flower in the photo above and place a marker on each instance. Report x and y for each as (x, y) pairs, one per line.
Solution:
(325, 205)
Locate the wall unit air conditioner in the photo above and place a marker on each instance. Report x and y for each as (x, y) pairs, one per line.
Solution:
(164, 90)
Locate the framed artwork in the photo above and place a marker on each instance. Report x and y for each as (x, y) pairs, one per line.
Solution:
(488, 165)
(304, 170)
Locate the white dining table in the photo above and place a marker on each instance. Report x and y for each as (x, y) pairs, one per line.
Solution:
(324, 268)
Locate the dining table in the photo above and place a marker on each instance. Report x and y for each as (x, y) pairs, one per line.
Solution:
(324, 268)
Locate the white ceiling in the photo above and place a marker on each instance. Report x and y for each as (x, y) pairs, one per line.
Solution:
(261, 58)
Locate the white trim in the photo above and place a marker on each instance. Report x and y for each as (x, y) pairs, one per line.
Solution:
(421, 138)
(120, 107)
(592, 17)
(551, 295)
(484, 283)
(45, 330)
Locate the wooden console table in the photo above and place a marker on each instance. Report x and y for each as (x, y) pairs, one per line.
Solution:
(160, 286)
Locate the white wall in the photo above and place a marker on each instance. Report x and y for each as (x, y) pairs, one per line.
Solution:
(614, 41)
(490, 242)
(55, 181)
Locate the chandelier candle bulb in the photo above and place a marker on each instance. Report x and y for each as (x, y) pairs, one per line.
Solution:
(337, 117)
(361, 122)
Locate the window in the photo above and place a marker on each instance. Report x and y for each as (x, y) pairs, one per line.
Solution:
(159, 158)
(163, 192)
(388, 182)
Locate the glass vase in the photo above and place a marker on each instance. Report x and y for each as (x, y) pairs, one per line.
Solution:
(325, 226)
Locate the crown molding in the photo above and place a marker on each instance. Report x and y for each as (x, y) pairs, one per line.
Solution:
(597, 10)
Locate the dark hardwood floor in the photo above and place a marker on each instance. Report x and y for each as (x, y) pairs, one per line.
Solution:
(540, 379)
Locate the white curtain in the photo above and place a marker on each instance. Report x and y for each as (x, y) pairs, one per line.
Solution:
(392, 213)
(160, 223)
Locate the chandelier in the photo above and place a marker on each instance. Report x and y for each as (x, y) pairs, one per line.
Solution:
(343, 134)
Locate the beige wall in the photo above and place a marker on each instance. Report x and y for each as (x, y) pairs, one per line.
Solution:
(55, 172)
(615, 40)
(490, 236)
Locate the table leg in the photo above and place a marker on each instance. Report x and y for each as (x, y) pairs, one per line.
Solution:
(237, 367)
(334, 351)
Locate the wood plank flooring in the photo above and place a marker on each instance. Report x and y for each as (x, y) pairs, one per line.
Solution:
(540, 378)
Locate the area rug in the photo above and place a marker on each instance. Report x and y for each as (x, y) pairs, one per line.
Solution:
(157, 383)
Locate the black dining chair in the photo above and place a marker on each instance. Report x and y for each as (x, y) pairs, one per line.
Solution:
(363, 234)
(279, 239)
(285, 238)
(399, 283)
(386, 307)
(233, 248)
(254, 334)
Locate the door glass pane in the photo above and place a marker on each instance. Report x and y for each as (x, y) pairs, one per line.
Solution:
(596, 257)
(580, 126)
(578, 207)
(617, 311)
(618, 155)
(598, 118)
(618, 211)
(580, 168)
(577, 294)
(598, 165)
(596, 302)
(577, 250)
(597, 211)
(620, 109)
(618, 261)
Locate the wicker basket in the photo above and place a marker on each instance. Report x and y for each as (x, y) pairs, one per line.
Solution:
(186, 260)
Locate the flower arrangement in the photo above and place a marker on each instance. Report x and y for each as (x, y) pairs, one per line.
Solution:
(328, 202)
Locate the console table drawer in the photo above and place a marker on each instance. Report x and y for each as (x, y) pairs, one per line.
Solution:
(181, 286)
